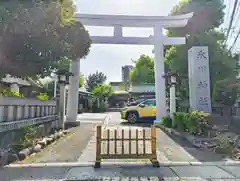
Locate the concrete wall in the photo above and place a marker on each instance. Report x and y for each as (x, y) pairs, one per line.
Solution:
(15, 113)
(14, 109)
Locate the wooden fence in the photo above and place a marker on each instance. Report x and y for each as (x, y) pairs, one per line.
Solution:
(118, 142)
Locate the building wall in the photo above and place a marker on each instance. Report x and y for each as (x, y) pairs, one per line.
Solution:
(126, 72)
(142, 88)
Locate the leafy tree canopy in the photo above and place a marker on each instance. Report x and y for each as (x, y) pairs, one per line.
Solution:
(222, 64)
(143, 71)
(94, 80)
(208, 14)
(34, 35)
(102, 91)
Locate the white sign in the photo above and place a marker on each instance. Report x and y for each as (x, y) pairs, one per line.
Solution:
(199, 83)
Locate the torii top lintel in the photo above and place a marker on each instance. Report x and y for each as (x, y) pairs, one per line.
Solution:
(133, 21)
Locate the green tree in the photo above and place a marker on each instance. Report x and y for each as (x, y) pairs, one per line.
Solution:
(143, 71)
(222, 64)
(103, 91)
(81, 80)
(94, 80)
(125, 86)
(207, 15)
(226, 91)
(62, 64)
(36, 34)
(49, 88)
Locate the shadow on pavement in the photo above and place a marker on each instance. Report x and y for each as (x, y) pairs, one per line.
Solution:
(198, 153)
(141, 123)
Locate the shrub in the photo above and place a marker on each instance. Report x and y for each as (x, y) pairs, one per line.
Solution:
(8, 93)
(179, 119)
(226, 143)
(27, 135)
(43, 97)
(194, 122)
(167, 122)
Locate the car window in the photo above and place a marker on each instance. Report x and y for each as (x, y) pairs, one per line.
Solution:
(149, 103)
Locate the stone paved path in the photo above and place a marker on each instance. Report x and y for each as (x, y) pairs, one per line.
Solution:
(172, 172)
(178, 161)
(69, 148)
(167, 149)
(129, 172)
(66, 149)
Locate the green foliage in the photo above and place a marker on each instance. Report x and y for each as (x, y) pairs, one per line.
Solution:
(194, 122)
(226, 91)
(94, 80)
(167, 122)
(226, 142)
(143, 71)
(42, 97)
(36, 34)
(201, 31)
(81, 80)
(102, 91)
(62, 64)
(125, 86)
(207, 15)
(27, 136)
(179, 119)
(49, 88)
(8, 93)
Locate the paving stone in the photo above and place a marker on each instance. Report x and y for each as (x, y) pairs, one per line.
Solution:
(92, 116)
(33, 173)
(201, 171)
(225, 179)
(88, 173)
(191, 179)
(147, 171)
(234, 170)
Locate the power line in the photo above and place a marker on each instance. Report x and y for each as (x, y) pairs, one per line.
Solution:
(235, 21)
(232, 17)
(235, 40)
(229, 8)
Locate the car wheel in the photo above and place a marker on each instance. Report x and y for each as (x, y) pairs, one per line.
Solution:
(132, 117)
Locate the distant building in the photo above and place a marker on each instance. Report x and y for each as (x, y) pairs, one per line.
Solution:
(126, 72)
(27, 86)
(117, 86)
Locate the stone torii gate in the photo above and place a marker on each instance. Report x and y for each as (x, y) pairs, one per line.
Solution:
(158, 40)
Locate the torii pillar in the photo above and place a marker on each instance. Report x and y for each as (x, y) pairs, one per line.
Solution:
(158, 40)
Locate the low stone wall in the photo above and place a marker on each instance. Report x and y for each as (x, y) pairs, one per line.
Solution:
(16, 113)
(9, 132)
(14, 109)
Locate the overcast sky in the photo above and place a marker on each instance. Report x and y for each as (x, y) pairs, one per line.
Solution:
(110, 58)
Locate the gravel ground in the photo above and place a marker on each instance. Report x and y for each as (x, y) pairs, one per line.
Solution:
(66, 149)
